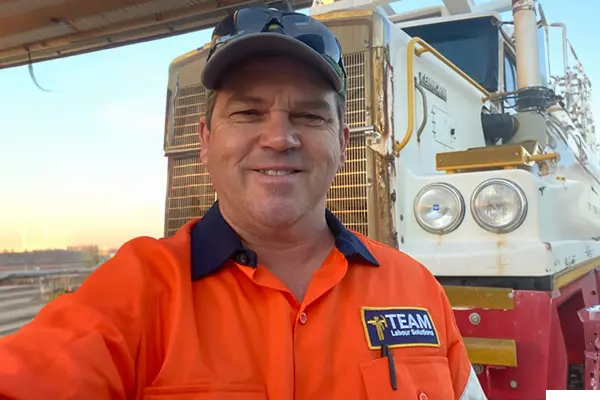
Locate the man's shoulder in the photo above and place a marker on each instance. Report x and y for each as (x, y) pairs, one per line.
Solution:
(148, 248)
(162, 259)
(395, 263)
(387, 254)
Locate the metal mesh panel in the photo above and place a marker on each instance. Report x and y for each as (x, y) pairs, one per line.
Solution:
(190, 104)
(356, 102)
(347, 197)
(190, 192)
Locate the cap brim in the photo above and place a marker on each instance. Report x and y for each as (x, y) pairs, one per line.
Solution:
(245, 47)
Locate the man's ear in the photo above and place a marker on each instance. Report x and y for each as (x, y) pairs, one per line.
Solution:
(344, 138)
(204, 139)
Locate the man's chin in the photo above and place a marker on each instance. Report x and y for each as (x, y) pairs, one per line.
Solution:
(277, 213)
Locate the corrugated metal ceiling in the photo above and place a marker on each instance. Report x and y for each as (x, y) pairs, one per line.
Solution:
(46, 29)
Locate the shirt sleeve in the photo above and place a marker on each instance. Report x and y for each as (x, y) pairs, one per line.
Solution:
(83, 344)
(465, 381)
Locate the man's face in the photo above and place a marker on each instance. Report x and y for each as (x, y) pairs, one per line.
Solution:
(275, 142)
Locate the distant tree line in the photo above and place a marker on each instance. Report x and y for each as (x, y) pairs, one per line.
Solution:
(41, 258)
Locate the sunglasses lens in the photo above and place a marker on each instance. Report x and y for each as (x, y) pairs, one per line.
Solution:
(251, 20)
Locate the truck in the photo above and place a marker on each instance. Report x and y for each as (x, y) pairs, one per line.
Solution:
(469, 154)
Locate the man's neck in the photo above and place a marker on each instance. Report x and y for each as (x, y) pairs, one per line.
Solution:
(272, 251)
(256, 233)
(293, 253)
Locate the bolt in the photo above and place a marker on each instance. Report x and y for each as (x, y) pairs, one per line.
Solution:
(478, 368)
(513, 384)
(475, 318)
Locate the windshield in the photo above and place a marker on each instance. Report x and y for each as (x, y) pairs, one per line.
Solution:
(472, 45)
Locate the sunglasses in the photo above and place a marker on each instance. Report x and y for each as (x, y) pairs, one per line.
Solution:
(295, 25)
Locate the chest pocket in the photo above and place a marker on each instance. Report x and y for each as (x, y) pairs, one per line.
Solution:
(206, 392)
(418, 378)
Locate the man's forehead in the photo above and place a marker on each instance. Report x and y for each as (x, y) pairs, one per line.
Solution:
(305, 100)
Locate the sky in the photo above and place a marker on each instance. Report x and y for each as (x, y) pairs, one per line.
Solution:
(84, 163)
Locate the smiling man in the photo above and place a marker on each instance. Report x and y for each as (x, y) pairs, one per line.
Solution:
(268, 295)
(273, 146)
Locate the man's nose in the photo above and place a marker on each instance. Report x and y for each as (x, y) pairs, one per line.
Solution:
(279, 133)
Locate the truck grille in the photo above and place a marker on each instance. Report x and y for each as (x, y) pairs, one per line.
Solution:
(356, 101)
(190, 192)
(347, 196)
(190, 105)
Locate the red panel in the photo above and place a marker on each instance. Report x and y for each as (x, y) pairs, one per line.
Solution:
(550, 332)
(534, 324)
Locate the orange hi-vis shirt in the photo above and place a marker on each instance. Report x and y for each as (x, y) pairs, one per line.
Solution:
(195, 316)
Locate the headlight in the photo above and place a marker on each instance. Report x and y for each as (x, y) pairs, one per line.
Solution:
(439, 208)
(499, 205)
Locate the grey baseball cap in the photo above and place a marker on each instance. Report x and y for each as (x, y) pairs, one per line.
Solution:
(293, 35)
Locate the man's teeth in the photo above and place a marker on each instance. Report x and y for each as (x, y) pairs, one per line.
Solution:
(276, 172)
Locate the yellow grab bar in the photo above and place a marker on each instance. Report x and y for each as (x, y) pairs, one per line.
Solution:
(425, 48)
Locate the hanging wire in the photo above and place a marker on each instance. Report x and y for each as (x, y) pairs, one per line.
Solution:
(32, 73)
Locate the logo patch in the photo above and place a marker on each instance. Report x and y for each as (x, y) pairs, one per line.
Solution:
(399, 327)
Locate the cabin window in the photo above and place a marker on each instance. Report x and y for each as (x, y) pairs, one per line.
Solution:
(510, 77)
(470, 44)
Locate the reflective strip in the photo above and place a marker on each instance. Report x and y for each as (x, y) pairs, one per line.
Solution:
(473, 389)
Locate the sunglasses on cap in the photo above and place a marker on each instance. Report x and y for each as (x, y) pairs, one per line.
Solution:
(294, 25)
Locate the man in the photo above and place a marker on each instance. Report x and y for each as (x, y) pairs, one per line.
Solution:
(268, 295)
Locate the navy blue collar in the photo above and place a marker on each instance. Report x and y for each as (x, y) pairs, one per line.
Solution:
(213, 242)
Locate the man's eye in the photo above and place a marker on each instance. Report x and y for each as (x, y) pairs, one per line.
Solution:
(247, 113)
(310, 118)
(250, 115)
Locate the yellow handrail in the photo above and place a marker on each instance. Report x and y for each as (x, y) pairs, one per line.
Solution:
(425, 48)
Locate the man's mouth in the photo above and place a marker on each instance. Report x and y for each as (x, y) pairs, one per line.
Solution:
(278, 172)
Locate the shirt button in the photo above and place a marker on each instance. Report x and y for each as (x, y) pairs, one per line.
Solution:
(303, 318)
(423, 396)
(242, 259)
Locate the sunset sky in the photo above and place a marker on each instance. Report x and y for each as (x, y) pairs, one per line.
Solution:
(84, 163)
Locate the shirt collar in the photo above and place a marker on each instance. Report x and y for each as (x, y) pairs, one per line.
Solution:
(213, 242)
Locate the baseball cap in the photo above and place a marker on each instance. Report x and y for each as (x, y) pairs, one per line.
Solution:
(260, 31)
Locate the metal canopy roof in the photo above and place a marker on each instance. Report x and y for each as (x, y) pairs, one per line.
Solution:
(47, 29)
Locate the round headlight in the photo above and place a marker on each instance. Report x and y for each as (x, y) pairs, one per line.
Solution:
(499, 205)
(439, 208)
